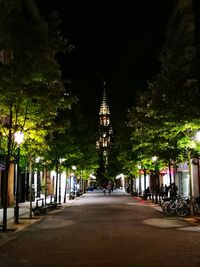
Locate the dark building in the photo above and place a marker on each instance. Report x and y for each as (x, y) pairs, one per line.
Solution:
(182, 34)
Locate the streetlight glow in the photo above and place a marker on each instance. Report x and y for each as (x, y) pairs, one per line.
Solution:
(197, 136)
(73, 167)
(19, 137)
(154, 159)
(61, 160)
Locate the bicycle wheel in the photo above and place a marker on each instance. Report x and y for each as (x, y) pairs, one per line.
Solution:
(163, 205)
(195, 208)
(182, 209)
(169, 209)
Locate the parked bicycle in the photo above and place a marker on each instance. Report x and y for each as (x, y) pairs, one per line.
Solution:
(170, 207)
(165, 201)
(183, 206)
(180, 206)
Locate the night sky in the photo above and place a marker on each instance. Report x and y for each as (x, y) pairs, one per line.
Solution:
(115, 40)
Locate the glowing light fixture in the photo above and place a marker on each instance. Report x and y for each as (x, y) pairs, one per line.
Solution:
(197, 136)
(19, 137)
(154, 159)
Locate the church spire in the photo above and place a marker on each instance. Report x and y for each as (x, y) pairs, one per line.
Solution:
(105, 128)
(104, 111)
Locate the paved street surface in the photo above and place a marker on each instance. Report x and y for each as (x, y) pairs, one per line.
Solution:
(97, 230)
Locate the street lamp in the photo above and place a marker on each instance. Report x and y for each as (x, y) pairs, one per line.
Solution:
(197, 136)
(18, 137)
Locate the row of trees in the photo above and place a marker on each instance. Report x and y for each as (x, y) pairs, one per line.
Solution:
(34, 98)
(165, 118)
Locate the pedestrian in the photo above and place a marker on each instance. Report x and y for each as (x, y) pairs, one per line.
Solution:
(147, 193)
(173, 190)
(162, 191)
(109, 187)
(104, 189)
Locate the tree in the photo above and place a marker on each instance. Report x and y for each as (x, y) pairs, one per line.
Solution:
(164, 112)
(31, 87)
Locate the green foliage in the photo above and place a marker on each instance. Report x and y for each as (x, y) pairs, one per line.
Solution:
(173, 92)
(76, 144)
(166, 116)
(120, 157)
(31, 87)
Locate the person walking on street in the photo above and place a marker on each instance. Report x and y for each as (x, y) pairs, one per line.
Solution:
(147, 193)
(109, 187)
(104, 189)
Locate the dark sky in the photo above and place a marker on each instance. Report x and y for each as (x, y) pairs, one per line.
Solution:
(116, 40)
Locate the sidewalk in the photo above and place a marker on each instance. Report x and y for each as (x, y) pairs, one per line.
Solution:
(12, 228)
(194, 219)
(25, 217)
(25, 220)
(24, 213)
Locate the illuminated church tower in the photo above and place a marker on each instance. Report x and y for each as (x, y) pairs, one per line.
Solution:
(105, 131)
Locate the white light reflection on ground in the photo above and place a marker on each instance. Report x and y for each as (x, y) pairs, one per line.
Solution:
(171, 223)
(164, 222)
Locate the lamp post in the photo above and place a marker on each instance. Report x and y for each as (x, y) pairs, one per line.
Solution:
(18, 137)
(59, 183)
(74, 188)
(72, 176)
(197, 139)
(139, 169)
(190, 182)
(59, 186)
(156, 173)
(82, 183)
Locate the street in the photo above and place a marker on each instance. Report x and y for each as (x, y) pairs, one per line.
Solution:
(111, 230)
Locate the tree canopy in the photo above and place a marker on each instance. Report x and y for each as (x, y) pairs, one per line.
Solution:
(165, 118)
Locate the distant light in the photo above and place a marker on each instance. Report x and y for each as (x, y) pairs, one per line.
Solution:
(92, 177)
(120, 176)
(62, 160)
(37, 159)
(139, 166)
